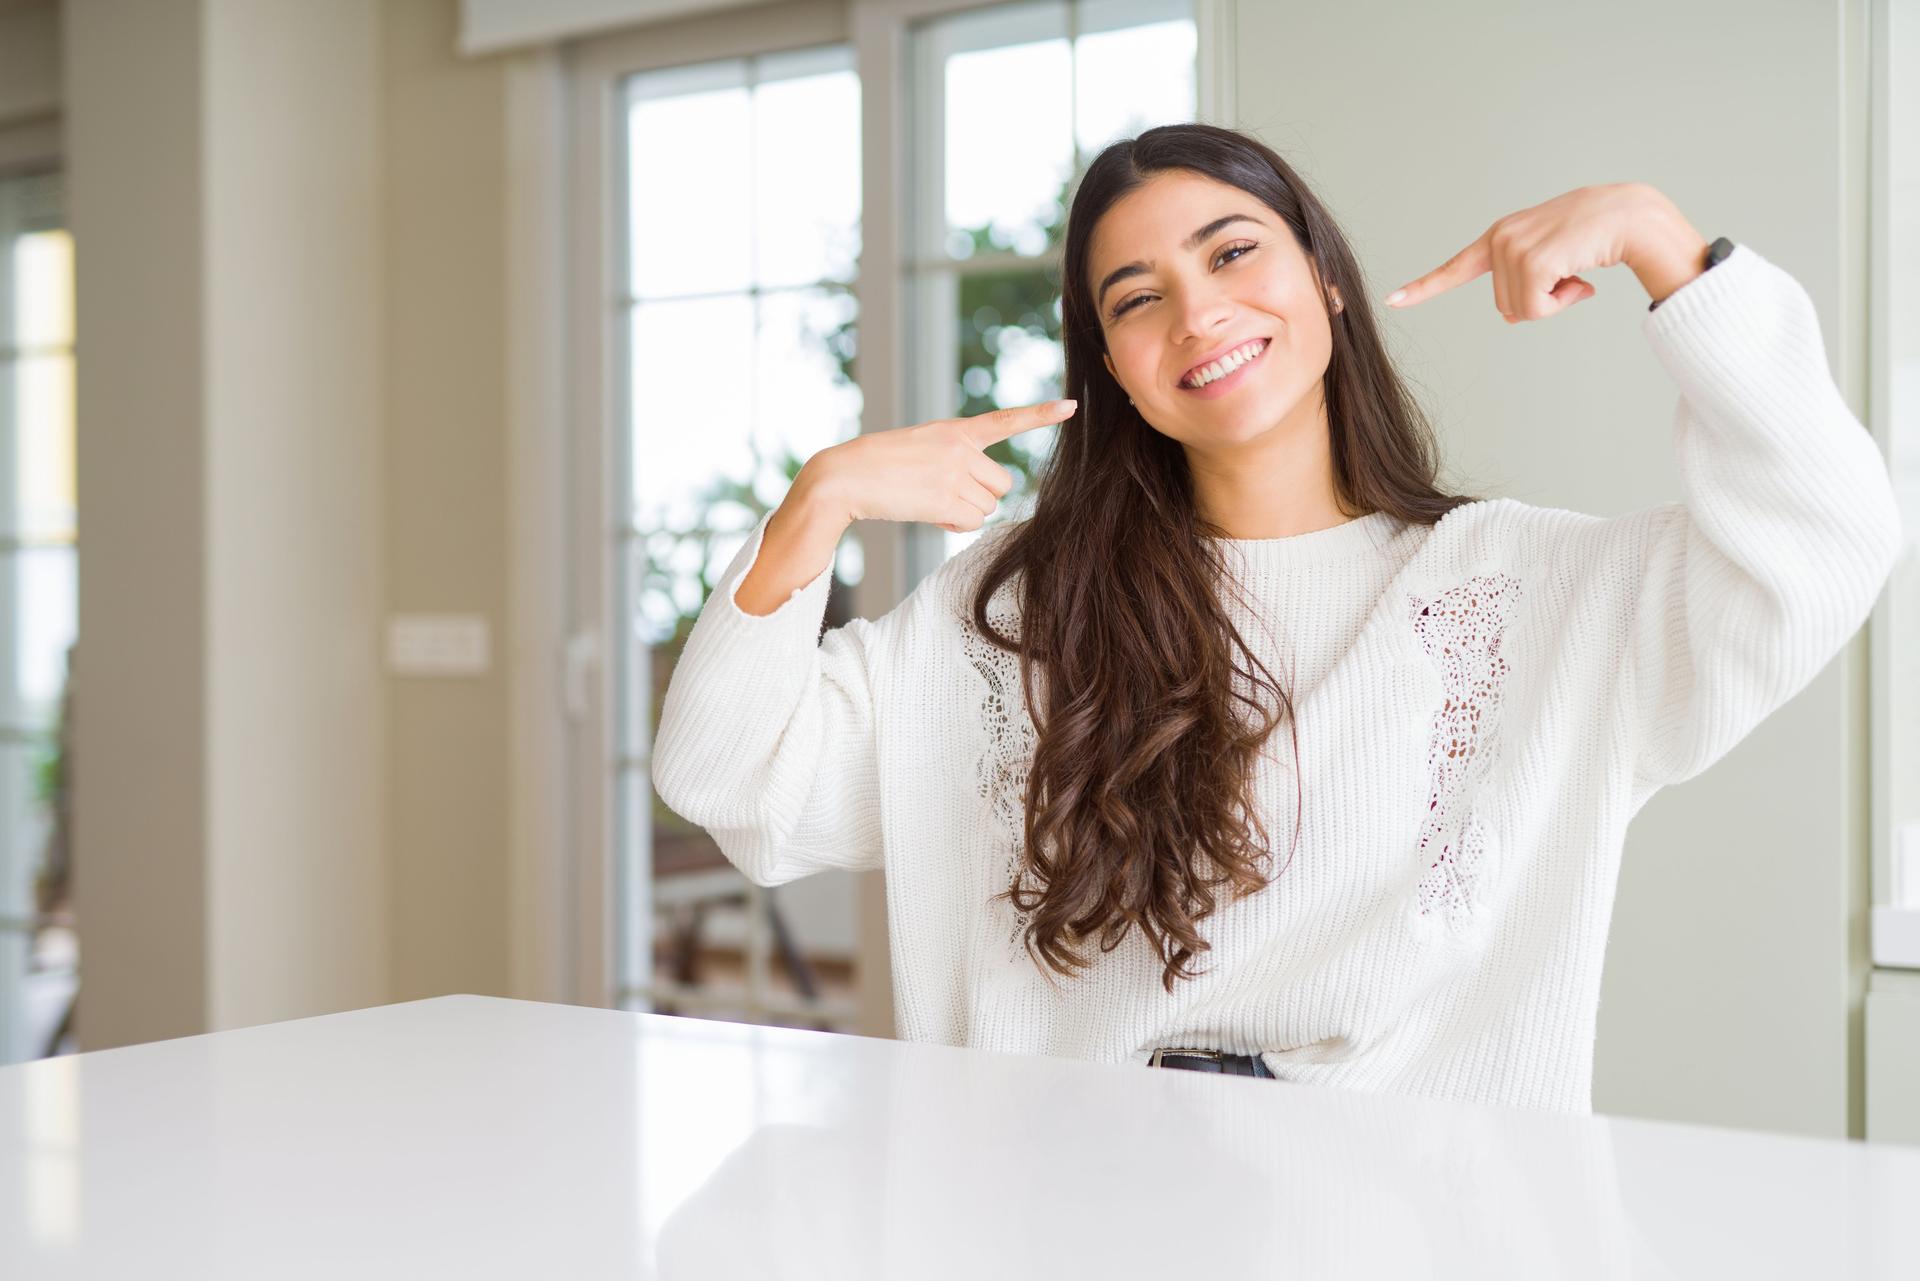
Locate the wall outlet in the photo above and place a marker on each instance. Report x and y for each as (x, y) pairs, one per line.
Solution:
(437, 645)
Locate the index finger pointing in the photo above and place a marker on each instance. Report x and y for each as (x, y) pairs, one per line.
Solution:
(1457, 270)
(998, 424)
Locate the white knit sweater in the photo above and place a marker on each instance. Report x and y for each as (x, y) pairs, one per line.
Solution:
(1482, 706)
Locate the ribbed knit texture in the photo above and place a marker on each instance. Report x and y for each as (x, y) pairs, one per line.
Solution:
(1482, 706)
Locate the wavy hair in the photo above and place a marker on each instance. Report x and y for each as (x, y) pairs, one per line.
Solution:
(1139, 801)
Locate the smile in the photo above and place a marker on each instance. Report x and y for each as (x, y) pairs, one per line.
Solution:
(1216, 376)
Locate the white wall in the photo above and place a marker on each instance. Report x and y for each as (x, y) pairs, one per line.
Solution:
(1735, 970)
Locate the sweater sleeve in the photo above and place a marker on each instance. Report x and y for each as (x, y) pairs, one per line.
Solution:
(766, 735)
(1743, 592)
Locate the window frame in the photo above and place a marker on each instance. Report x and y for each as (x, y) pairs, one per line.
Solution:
(1892, 697)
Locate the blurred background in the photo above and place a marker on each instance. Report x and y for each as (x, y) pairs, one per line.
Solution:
(384, 384)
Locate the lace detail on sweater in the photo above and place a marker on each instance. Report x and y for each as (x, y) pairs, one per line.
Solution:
(1001, 772)
(1461, 630)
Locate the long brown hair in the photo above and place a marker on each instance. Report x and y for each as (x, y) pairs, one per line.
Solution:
(1139, 799)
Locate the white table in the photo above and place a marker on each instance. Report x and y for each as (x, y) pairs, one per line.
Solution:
(471, 1137)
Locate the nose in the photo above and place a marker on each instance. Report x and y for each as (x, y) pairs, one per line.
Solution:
(1201, 311)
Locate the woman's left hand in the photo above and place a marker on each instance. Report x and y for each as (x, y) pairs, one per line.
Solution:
(1535, 255)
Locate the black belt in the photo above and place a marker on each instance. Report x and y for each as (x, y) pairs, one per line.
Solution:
(1210, 1061)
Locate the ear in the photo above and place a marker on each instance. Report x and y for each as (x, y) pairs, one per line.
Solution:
(1108, 357)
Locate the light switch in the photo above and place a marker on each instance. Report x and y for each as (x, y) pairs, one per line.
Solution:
(437, 645)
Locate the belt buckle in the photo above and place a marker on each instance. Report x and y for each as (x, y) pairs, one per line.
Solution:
(1155, 1060)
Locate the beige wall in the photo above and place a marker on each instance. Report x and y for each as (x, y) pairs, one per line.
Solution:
(291, 282)
(291, 102)
(447, 511)
(134, 163)
(226, 195)
(1735, 970)
(292, 424)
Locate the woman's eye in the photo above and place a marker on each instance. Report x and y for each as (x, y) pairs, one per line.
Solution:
(1238, 251)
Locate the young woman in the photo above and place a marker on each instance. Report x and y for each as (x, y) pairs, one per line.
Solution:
(1062, 746)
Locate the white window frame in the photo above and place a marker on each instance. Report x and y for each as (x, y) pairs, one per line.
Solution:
(1893, 699)
(564, 400)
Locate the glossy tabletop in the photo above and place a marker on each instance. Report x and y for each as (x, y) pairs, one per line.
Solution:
(475, 1137)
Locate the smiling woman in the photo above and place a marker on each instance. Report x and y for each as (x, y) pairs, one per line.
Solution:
(1227, 390)
(1056, 745)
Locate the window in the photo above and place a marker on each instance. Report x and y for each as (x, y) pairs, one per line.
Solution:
(1009, 105)
(742, 207)
(38, 581)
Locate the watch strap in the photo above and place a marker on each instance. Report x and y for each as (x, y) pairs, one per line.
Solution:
(1716, 254)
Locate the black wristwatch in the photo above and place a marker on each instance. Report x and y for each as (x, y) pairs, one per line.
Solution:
(1716, 254)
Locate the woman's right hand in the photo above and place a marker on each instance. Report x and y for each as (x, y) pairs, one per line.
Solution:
(935, 472)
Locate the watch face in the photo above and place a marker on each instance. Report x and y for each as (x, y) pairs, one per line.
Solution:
(1718, 250)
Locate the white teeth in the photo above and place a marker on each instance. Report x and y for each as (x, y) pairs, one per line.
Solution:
(1226, 364)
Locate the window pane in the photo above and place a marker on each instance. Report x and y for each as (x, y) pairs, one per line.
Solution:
(36, 396)
(1129, 80)
(1009, 146)
(1011, 98)
(1007, 336)
(43, 290)
(37, 989)
(1009, 329)
(692, 408)
(701, 430)
(806, 179)
(40, 586)
(26, 819)
(806, 395)
(690, 216)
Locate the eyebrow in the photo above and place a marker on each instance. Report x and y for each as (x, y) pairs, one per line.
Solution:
(1119, 274)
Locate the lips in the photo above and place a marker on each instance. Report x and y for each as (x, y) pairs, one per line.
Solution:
(1236, 354)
